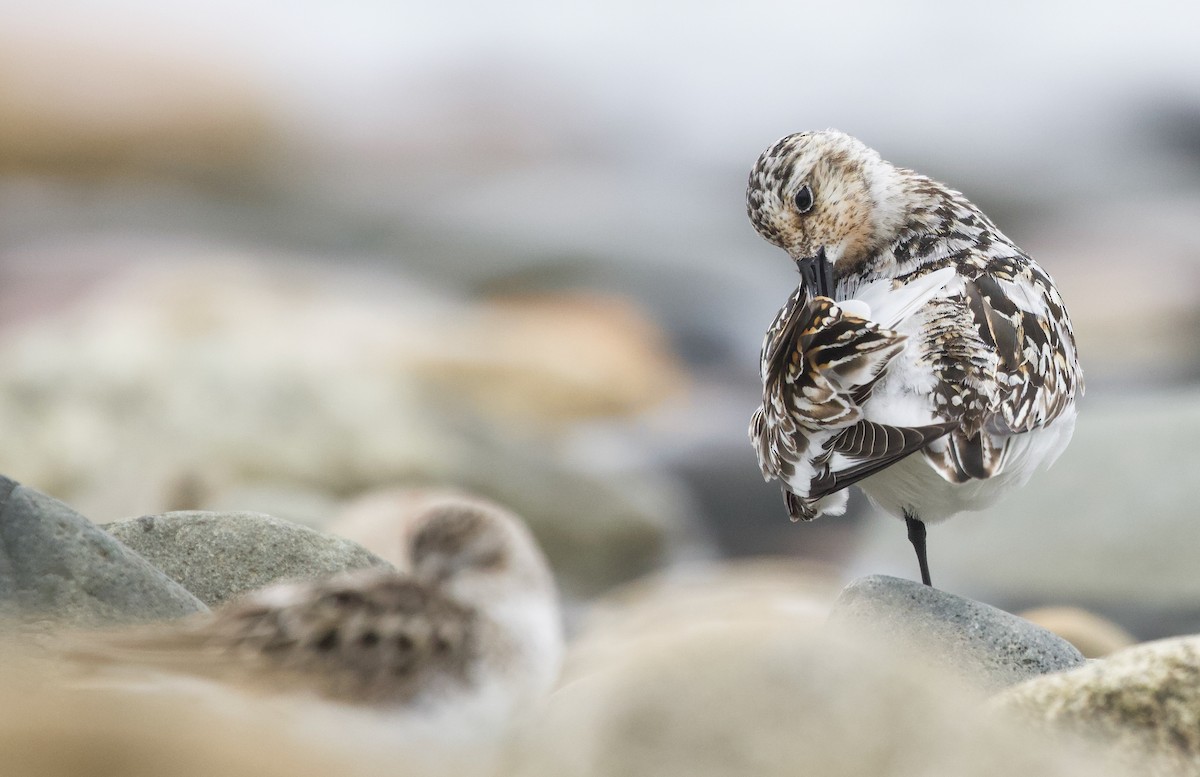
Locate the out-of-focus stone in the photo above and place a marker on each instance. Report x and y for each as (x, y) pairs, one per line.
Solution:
(555, 357)
(55, 564)
(1109, 528)
(1141, 704)
(125, 721)
(773, 698)
(217, 556)
(751, 591)
(263, 380)
(1094, 636)
(982, 646)
(90, 109)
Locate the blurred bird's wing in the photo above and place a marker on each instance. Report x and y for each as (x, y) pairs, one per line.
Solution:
(367, 637)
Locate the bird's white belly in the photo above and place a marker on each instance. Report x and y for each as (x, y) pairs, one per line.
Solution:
(912, 486)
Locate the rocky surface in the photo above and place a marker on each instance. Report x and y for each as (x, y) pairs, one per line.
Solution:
(56, 564)
(217, 556)
(1111, 527)
(984, 647)
(1142, 704)
(773, 697)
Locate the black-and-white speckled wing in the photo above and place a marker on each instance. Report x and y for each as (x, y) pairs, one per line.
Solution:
(1002, 351)
(819, 365)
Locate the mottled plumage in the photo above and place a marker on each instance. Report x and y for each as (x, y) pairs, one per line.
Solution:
(937, 334)
(466, 628)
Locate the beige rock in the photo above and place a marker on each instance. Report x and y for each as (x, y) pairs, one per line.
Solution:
(50, 729)
(90, 108)
(1141, 705)
(556, 357)
(773, 698)
(1095, 636)
(743, 592)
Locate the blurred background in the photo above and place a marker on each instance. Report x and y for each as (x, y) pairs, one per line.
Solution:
(273, 256)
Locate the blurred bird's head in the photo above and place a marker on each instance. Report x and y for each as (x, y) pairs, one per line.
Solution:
(815, 190)
(483, 556)
(477, 550)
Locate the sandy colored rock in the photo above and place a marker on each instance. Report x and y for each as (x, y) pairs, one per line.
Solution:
(130, 724)
(703, 594)
(553, 357)
(91, 108)
(773, 698)
(217, 556)
(1094, 636)
(981, 646)
(56, 564)
(1142, 704)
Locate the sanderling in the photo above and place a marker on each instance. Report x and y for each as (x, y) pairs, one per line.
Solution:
(917, 326)
(466, 632)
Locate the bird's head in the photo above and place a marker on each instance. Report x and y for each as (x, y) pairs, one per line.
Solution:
(825, 190)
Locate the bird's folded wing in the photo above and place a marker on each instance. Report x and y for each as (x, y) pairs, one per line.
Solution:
(1020, 313)
(823, 355)
(868, 447)
(1032, 374)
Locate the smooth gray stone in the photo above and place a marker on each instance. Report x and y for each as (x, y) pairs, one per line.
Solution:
(988, 648)
(217, 556)
(55, 563)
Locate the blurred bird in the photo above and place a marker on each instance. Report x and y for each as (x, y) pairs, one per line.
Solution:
(917, 326)
(465, 635)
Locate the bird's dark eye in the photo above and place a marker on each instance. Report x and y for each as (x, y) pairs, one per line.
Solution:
(804, 199)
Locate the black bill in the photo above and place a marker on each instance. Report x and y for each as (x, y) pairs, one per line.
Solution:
(817, 274)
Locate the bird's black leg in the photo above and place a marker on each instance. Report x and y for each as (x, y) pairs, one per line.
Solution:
(916, 535)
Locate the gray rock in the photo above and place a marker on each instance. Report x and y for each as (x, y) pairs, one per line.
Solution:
(220, 555)
(1111, 527)
(1141, 704)
(55, 563)
(986, 647)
